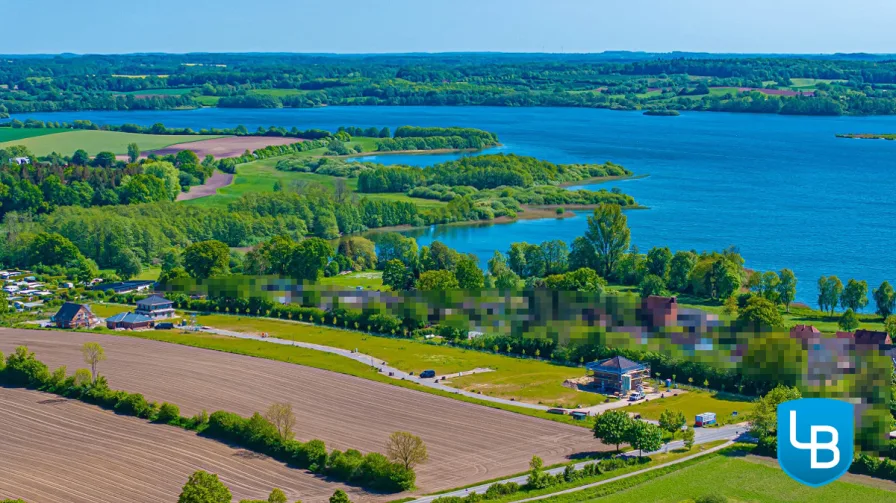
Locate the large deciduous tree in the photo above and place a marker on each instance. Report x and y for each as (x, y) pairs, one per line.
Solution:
(206, 259)
(611, 427)
(885, 299)
(166, 172)
(609, 234)
(282, 417)
(786, 287)
(406, 448)
(204, 487)
(760, 312)
(309, 259)
(680, 268)
(397, 276)
(855, 295)
(829, 290)
(644, 436)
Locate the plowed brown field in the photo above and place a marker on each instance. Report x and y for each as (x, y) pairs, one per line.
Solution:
(54, 450)
(467, 443)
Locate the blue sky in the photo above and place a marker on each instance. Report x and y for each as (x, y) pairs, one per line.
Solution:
(351, 26)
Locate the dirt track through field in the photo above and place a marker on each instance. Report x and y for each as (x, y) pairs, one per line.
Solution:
(228, 146)
(467, 443)
(209, 188)
(58, 450)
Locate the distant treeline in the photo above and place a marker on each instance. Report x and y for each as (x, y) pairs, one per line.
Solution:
(841, 84)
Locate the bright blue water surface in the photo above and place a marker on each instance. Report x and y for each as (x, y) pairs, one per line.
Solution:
(782, 189)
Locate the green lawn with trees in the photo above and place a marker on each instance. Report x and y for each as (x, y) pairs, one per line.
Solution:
(694, 402)
(525, 380)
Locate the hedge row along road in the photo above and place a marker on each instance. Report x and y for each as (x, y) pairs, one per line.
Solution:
(467, 442)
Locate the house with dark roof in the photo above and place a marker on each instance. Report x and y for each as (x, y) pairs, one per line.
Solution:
(618, 374)
(125, 286)
(129, 321)
(74, 315)
(155, 306)
(864, 337)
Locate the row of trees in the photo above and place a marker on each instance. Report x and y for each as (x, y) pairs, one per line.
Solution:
(272, 433)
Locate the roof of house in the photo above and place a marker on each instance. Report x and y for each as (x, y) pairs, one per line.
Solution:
(128, 317)
(153, 300)
(872, 337)
(121, 286)
(68, 311)
(617, 364)
(804, 332)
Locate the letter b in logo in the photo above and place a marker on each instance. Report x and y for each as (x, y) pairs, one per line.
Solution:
(815, 439)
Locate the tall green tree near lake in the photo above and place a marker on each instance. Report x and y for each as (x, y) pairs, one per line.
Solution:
(680, 268)
(829, 290)
(133, 152)
(885, 299)
(786, 287)
(610, 236)
(760, 312)
(855, 295)
(659, 261)
(768, 285)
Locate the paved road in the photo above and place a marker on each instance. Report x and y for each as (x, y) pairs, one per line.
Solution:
(701, 436)
(375, 363)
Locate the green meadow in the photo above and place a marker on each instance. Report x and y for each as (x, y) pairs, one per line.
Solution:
(8, 135)
(261, 176)
(66, 143)
(738, 479)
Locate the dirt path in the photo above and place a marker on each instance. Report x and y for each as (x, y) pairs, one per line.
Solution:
(466, 442)
(209, 188)
(58, 450)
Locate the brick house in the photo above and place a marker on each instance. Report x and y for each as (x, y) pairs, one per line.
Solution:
(74, 315)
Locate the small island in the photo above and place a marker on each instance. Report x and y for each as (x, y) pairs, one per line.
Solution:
(662, 113)
(865, 136)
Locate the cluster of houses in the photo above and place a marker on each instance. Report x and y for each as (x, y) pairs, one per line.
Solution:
(149, 311)
(25, 293)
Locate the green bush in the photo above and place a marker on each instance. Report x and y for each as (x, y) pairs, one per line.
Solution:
(133, 404)
(168, 413)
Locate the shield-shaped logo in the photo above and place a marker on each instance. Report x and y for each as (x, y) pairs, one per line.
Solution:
(815, 439)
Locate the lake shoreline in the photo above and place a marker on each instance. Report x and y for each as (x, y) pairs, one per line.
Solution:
(867, 136)
(414, 152)
(536, 212)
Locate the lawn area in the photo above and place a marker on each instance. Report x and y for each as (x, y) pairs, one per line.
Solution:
(106, 310)
(369, 280)
(826, 323)
(741, 481)
(8, 134)
(98, 141)
(695, 402)
(261, 175)
(149, 273)
(522, 379)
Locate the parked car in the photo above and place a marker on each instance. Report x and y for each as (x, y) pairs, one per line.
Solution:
(164, 326)
(557, 411)
(426, 374)
(637, 395)
(579, 415)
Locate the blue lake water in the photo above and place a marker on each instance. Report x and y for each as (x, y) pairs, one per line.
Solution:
(782, 189)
